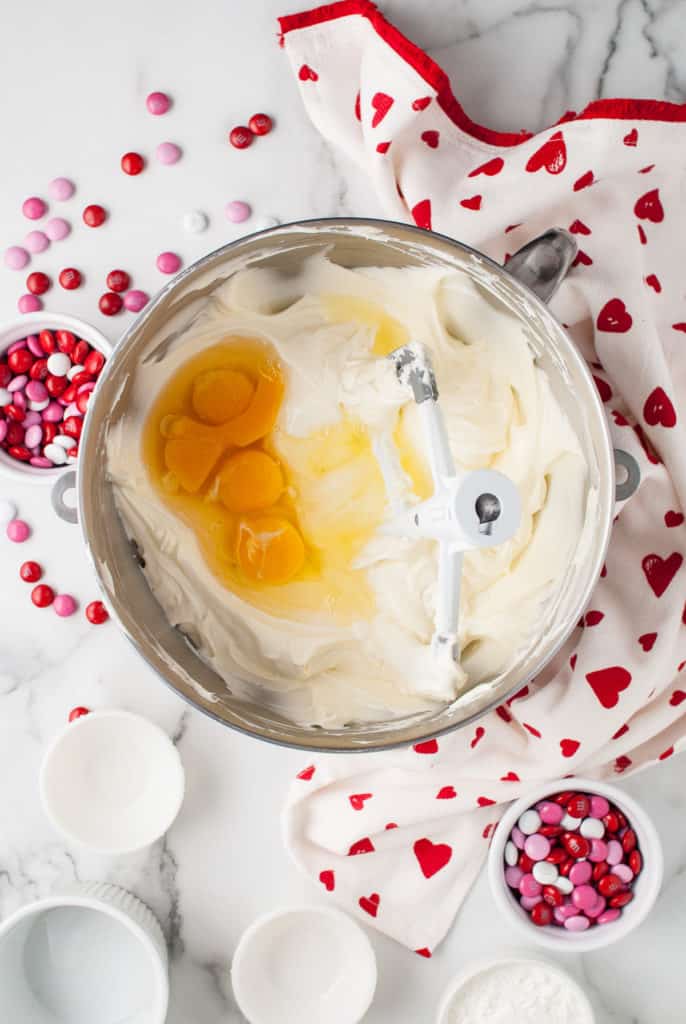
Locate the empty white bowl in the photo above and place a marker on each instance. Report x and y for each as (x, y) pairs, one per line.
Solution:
(96, 954)
(21, 327)
(112, 781)
(304, 965)
(645, 888)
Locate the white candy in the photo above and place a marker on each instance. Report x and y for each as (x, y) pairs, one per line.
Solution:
(569, 823)
(74, 370)
(56, 454)
(5, 396)
(529, 822)
(545, 872)
(511, 854)
(39, 406)
(592, 828)
(8, 511)
(59, 364)
(195, 221)
(564, 885)
(64, 441)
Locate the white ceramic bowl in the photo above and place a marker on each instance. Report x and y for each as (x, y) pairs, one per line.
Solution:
(112, 781)
(94, 954)
(645, 889)
(304, 965)
(32, 323)
(481, 966)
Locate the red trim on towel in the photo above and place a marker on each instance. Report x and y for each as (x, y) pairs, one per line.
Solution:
(435, 76)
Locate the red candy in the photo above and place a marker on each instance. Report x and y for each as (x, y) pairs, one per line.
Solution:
(118, 280)
(636, 861)
(5, 375)
(610, 885)
(563, 798)
(600, 870)
(132, 163)
(260, 124)
(66, 342)
(82, 402)
(14, 413)
(39, 370)
(110, 303)
(69, 278)
(551, 831)
(72, 426)
(541, 915)
(20, 360)
(611, 821)
(553, 896)
(576, 845)
(20, 452)
(94, 363)
(629, 841)
(42, 595)
(49, 432)
(55, 385)
(47, 341)
(30, 572)
(83, 377)
(621, 899)
(37, 283)
(96, 613)
(78, 713)
(525, 863)
(15, 434)
(69, 394)
(80, 353)
(94, 216)
(241, 137)
(579, 806)
(557, 855)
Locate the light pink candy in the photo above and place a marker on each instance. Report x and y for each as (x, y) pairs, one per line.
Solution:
(34, 208)
(53, 413)
(32, 417)
(529, 902)
(18, 382)
(513, 876)
(237, 211)
(518, 838)
(40, 462)
(537, 846)
(36, 391)
(16, 258)
(615, 853)
(19, 399)
(57, 229)
(34, 346)
(18, 531)
(37, 241)
(578, 923)
(168, 153)
(598, 850)
(609, 916)
(72, 410)
(168, 263)
(88, 386)
(135, 299)
(3, 429)
(623, 873)
(29, 303)
(61, 189)
(33, 436)
(64, 605)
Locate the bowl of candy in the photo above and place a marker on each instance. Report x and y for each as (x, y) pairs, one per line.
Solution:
(576, 864)
(49, 366)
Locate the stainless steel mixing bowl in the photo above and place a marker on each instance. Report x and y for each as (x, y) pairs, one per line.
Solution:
(351, 243)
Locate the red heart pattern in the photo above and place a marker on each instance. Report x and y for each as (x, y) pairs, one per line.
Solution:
(306, 74)
(572, 662)
(658, 409)
(649, 207)
(620, 732)
(422, 103)
(328, 880)
(502, 712)
(478, 735)
(677, 698)
(358, 107)
(472, 203)
(427, 747)
(446, 793)
(577, 227)
(381, 104)
(510, 777)
(592, 618)
(431, 857)
(490, 168)
(666, 753)
(641, 235)
(632, 138)
(653, 281)
(421, 214)
(608, 683)
(383, 147)
(361, 846)
(552, 156)
(307, 773)
(647, 641)
(679, 327)
(673, 518)
(582, 259)
(604, 389)
(431, 138)
(622, 763)
(614, 317)
(424, 952)
(370, 904)
(530, 728)
(484, 801)
(390, 826)
(357, 800)
(487, 831)
(646, 170)
(661, 571)
(584, 181)
(569, 747)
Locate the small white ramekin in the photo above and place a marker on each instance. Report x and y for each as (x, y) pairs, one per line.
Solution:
(15, 330)
(645, 889)
(94, 952)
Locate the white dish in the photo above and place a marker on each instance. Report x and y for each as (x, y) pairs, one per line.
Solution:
(112, 781)
(95, 954)
(33, 323)
(304, 965)
(645, 889)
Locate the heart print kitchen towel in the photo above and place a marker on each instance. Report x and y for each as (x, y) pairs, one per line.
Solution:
(398, 838)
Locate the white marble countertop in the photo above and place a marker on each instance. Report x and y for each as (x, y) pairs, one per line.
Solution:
(73, 77)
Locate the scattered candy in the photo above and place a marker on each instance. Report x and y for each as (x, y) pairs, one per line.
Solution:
(118, 280)
(571, 862)
(38, 283)
(97, 613)
(168, 153)
(18, 531)
(168, 262)
(57, 229)
(135, 300)
(64, 605)
(69, 278)
(29, 303)
(33, 208)
(260, 124)
(241, 137)
(110, 303)
(61, 189)
(16, 258)
(158, 103)
(237, 211)
(42, 595)
(36, 241)
(30, 572)
(94, 215)
(195, 221)
(132, 163)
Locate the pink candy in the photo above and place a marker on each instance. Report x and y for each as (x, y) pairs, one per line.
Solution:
(578, 923)
(551, 814)
(237, 211)
(623, 873)
(61, 189)
(135, 300)
(57, 229)
(168, 153)
(167, 263)
(18, 531)
(599, 806)
(16, 258)
(53, 413)
(33, 436)
(528, 886)
(34, 346)
(64, 605)
(36, 241)
(36, 391)
(580, 873)
(158, 103)
(536, 846)
(529, 902)
(518, 838)
(609, 916)
(34, 208)
(17, 383)
(40, 462)
(31, 419)
(598, 850)
(615, 852)
(513, 876)
(29, 303)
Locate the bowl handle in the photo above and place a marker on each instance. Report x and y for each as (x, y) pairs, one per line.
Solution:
(65, 482)
(542, 263)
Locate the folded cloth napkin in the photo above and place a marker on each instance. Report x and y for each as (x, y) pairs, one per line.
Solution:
(398, 838)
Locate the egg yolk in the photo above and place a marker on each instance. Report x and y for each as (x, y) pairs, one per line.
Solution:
(250, 480)
(269, 549)
(221, 395)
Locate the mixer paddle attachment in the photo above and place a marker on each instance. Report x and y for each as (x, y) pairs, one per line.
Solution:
(466, 510)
